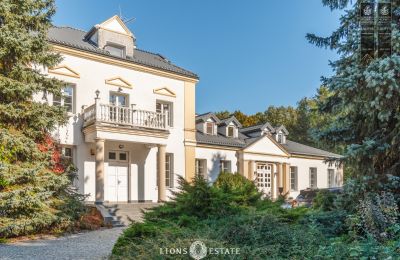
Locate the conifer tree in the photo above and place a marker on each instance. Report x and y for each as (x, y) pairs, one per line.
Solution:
(35, 193)
(365, 98)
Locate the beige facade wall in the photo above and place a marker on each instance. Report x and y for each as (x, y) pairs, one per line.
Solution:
(190, 129)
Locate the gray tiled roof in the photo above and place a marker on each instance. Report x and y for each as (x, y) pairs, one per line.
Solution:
(219, 140)
(205, 116)
(74, 38)
(256, 128)
(245, 140)
(297, 148)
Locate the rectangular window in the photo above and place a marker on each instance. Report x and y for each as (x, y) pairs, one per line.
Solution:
(313, 178)
(67, 153)
(331, 178)
(201, 166)
(115, 50)
(118, 156)
(293, 178)
(210, 128)
(169, 170)
(66, 99)
(165, 108)
(225, 166)
(112, 155)
(280, 139)
(123, 156)
(231, 131)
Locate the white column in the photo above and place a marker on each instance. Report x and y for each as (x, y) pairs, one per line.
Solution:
(99, 170)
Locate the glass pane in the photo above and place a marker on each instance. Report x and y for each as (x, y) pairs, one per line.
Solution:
(122, 101)
(68, 91)
(158, 107)
(113, 99)
(122, 156)
(115, 51)
(57, 101)
(68, 107)
(112, 155)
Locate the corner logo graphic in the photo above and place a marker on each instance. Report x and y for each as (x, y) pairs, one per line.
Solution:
(198, 250)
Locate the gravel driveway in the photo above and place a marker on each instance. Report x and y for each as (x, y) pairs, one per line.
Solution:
(89, 245)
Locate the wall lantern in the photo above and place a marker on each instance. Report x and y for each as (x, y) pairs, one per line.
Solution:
(97, 93)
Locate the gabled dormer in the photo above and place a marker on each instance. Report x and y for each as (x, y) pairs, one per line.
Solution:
(258, 130)
(229, 127)
(113, 36)
(280, 134)
(207, 123)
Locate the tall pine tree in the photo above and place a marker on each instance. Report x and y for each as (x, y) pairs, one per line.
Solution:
(35, 193)
(365, 99)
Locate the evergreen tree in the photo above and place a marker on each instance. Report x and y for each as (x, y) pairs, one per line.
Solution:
(35, 193)
(365, 98)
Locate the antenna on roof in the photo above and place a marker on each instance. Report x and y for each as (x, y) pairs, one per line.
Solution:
(124, 19)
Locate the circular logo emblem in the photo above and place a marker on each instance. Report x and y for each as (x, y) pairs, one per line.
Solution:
(198, 250)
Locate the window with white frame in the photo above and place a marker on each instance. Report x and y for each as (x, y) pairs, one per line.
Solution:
(165, 108)
(115, 50)
(201, 167)
(313, 178)
(293, 178)
(280, 138)
(231, 131)
(225, 166)
(331, 178)
(66, 99)
(210, 128)
(169, 170)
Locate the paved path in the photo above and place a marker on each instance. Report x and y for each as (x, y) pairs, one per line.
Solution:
(89, 245)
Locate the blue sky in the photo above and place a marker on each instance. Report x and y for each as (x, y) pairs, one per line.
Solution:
(248, 54)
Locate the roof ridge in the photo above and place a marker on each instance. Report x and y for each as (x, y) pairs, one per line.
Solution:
(69, 27)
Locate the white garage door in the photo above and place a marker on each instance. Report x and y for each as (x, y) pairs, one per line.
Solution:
(117, 183)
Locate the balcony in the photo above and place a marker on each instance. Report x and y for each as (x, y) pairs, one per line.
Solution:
(99, 120)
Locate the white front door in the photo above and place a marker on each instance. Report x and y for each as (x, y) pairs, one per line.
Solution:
(263, 180)
(117, 183)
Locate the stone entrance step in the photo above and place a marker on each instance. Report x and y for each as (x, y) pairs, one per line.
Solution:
(123, 214)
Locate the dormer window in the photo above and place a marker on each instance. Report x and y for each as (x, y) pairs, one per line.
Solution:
(231, 131)
(280, 138)
(115, 50)
(210, 128)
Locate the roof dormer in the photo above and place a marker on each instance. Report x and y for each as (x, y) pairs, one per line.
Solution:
(229, 127)
(208, 123)
(258, 130)
(280, 134)
(113, 36)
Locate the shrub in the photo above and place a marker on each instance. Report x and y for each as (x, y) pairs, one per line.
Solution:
(324, 200)
(240, 190)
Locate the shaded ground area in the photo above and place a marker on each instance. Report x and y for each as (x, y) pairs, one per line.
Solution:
(89, 245)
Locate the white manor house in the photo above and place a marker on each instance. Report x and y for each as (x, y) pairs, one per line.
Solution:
(133, 128)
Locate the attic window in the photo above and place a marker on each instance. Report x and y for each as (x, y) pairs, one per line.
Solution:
(280, 138)
(231, 131)
(210, 128)
(115, 50)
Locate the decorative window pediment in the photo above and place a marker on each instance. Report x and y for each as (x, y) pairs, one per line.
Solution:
(164, 91)
(119, 82)
(65, 71)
